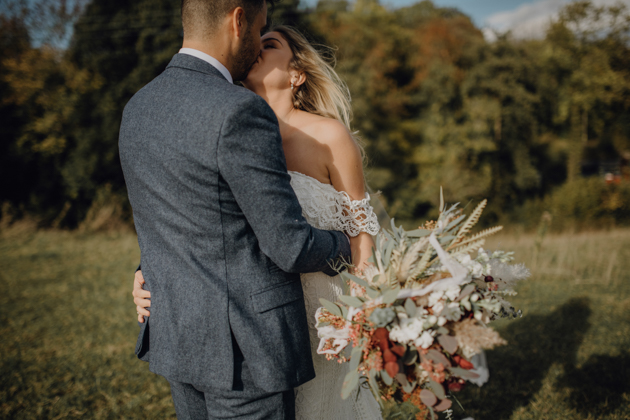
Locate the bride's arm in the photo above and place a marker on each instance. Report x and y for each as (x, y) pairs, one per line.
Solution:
(141, 297)
(345, 169)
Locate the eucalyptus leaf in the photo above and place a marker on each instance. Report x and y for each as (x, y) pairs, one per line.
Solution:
(449, 343)
(410, 357)
(390, 296)
(395, 232)
(344, 312)
(428, 398)
(401, 378)
(466, 291)
(331, 307)
(410, 308)
(351, 300)
(349, 384)
(455, 222)
(418, 233)
(388, 253)
(386, 378)
(437, 389)
(442, 330)
(463, 373)
(438, 357)
(374, 384)
(373, 294)
(351, 277)
(409, 387)
(355, 358)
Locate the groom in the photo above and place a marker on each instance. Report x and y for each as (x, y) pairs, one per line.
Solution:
(219, 226)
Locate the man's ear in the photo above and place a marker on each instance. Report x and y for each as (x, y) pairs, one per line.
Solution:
(238, 21)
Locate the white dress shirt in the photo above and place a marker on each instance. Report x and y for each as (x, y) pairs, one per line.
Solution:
(210, 60)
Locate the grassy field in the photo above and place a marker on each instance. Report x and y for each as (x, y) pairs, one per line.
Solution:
(67, 331)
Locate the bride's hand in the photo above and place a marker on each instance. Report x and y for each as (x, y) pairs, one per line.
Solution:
(141, 297)
(361, 246)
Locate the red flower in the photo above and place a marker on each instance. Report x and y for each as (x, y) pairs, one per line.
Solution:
(463, 363)
(456, 386)
(391, 368)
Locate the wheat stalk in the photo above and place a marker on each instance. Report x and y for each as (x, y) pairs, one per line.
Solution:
(473, 246)
(470, 222)
(422, 264)
(480, 235)
(411, 257)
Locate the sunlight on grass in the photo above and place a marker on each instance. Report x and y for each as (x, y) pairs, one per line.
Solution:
(568, 357)
(68, 331)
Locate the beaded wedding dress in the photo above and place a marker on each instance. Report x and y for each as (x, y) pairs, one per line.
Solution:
(326, 208)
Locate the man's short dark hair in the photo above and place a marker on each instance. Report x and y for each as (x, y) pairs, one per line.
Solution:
(203, 17)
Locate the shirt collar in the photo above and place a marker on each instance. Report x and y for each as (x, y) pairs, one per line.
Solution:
(210, 60)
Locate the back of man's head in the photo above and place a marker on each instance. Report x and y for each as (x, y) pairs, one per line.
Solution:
(202, 18)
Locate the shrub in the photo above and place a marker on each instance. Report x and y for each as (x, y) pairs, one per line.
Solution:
(583, 204)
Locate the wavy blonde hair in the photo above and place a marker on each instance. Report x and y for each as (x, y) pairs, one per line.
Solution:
(323, 93)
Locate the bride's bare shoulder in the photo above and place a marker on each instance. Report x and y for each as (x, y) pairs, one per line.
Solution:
(326, 130)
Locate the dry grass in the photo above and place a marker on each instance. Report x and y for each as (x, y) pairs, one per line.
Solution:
(568, 357)
(68, 331)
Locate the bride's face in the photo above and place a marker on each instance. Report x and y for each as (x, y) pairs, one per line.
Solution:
(271, 72)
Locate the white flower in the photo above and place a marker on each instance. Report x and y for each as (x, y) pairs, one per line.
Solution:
(474, 268)
(453, 292)
(441, 321)
(339, 338)
(408, 330)
(437, 308)
(482, 256)
(435, 297)
(425, 340)
(451, 312)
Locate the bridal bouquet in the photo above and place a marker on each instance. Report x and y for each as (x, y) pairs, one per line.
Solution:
(415, 318)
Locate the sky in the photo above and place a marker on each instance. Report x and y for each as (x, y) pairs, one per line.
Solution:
(526, 19)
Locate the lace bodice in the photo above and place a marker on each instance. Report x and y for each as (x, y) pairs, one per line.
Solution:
(326, 208)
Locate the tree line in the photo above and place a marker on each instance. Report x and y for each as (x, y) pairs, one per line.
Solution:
(521, 122)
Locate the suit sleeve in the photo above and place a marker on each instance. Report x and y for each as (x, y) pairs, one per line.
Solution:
(251, 160)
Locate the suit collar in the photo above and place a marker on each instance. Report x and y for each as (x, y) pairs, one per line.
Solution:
(189, 62)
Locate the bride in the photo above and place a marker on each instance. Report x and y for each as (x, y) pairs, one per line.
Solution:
(324, 160)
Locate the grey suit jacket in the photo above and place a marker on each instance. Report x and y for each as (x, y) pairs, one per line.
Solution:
(220, 230)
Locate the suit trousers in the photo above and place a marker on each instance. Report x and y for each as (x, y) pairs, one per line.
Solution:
(244, 401)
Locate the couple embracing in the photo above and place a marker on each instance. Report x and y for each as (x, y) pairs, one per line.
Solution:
(246, 201)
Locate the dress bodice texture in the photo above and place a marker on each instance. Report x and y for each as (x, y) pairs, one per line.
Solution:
(326, 208)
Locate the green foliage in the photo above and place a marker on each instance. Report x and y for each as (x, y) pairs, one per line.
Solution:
(434, 103)
(587, 203)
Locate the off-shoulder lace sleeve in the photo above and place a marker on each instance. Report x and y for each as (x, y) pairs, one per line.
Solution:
(357, 216)
(326, 208)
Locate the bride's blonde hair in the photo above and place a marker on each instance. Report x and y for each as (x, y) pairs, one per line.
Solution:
(323, 93)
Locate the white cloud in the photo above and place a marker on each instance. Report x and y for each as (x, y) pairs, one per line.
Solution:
(531, 20)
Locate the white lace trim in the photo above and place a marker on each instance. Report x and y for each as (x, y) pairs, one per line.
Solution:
(326, 208)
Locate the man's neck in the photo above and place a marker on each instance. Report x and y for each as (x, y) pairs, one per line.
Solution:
(219, 54)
